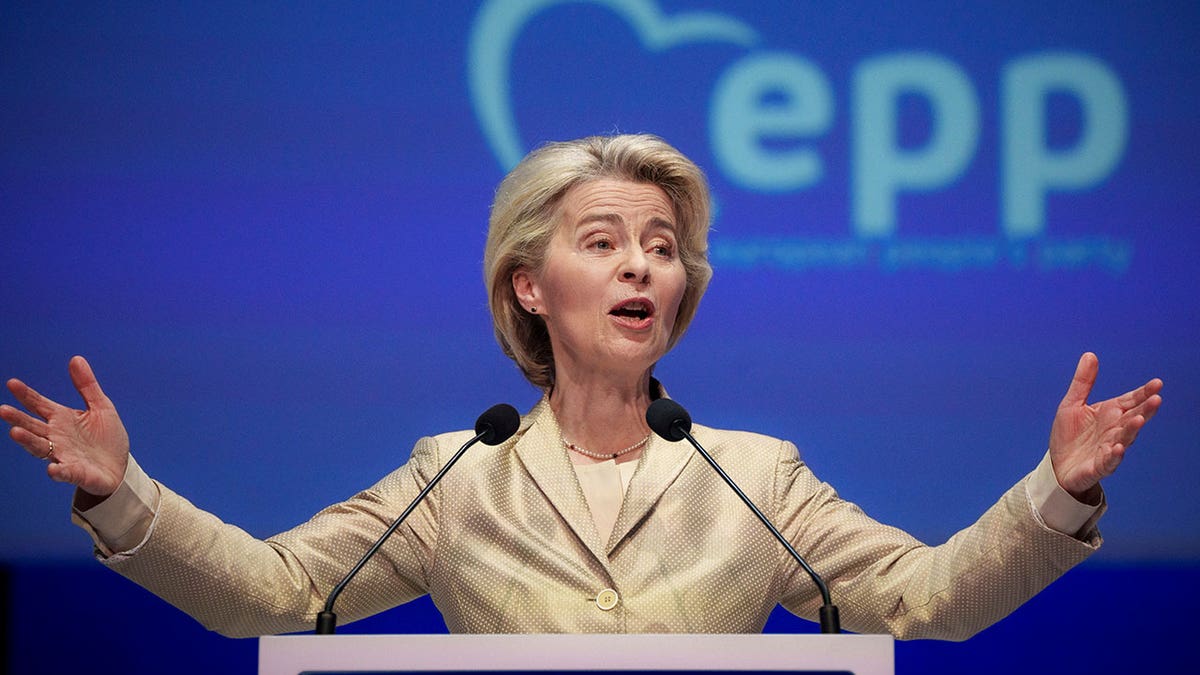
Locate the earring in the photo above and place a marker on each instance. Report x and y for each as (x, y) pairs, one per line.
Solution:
(533, 310)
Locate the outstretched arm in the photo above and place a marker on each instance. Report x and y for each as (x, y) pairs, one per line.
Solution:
(1088, 441)
(88, 448)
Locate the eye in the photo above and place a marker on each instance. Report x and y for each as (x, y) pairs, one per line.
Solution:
(663, 250)
(601, 243)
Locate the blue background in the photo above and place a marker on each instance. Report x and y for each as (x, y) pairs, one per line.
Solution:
(264, 224)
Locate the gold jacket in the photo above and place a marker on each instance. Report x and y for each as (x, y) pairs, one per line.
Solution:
(506, 543)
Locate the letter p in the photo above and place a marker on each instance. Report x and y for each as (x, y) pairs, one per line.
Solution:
(1031, 168)
(882, 168)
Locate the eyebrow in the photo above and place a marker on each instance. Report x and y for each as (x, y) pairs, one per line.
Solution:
(656, 222)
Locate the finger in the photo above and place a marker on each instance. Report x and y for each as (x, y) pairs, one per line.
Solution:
(60, 473)
(1154, 386)
(1150, 407)
(19, 418)
(1131, 399)
(35, 445)
(86, 383)
(1147, 408)
(1129, 429)
(1081, 383)
(33, 401)
(1144, 411)
(1113, 460)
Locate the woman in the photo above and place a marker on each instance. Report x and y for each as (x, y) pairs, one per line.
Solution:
(585, 521)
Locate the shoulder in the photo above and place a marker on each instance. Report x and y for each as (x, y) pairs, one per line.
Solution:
(750, 457)
(430, 453)
(449, 439)
(746, 442)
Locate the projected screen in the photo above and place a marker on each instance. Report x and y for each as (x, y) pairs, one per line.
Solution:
(264, 227)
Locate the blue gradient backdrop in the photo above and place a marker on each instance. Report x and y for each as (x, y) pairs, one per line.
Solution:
(263, 224)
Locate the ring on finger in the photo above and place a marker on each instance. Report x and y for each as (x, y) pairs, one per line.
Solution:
(50, 454)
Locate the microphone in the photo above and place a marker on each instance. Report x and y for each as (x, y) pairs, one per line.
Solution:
(496, 425)
(671, 421)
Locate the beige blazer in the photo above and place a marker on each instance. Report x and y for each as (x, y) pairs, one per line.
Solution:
(506, 543)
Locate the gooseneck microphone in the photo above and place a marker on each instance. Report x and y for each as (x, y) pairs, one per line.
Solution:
(496, 425)
(669, 420)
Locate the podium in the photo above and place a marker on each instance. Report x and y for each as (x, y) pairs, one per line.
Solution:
(618, 654)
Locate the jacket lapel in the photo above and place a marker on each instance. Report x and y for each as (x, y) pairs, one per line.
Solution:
(541, 453)
(661, 463)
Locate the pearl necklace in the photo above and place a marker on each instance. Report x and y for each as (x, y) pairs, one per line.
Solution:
(607, 455)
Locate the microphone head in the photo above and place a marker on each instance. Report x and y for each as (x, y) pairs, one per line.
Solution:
(498, 423)
(668, 419)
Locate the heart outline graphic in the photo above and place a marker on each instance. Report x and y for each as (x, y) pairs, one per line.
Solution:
(499, 23)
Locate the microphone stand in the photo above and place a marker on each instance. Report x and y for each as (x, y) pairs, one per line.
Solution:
(494, 426)
(830, 622)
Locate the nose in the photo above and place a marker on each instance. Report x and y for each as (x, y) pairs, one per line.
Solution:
(635, 268)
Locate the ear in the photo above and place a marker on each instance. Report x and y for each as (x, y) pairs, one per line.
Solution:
(526, 288)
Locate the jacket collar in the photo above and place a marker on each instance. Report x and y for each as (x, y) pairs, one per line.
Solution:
(541, 452)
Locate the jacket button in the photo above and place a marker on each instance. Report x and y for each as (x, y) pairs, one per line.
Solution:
(607, 599)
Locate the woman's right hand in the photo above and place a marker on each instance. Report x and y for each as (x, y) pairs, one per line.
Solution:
(87, 448)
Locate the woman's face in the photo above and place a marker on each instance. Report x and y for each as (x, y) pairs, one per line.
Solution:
(612, 280)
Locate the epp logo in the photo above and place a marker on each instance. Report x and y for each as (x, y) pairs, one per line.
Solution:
(745, 133)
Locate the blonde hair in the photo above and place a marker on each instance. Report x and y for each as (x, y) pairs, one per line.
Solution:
(524, 219)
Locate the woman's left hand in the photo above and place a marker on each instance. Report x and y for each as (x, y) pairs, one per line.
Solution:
(1088, 441)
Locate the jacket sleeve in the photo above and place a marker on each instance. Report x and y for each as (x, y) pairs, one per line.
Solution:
(885, 581)
(241, 586)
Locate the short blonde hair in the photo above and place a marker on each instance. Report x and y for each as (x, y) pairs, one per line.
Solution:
(524, 219)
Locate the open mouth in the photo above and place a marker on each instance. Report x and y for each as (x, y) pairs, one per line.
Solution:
(638, 310)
